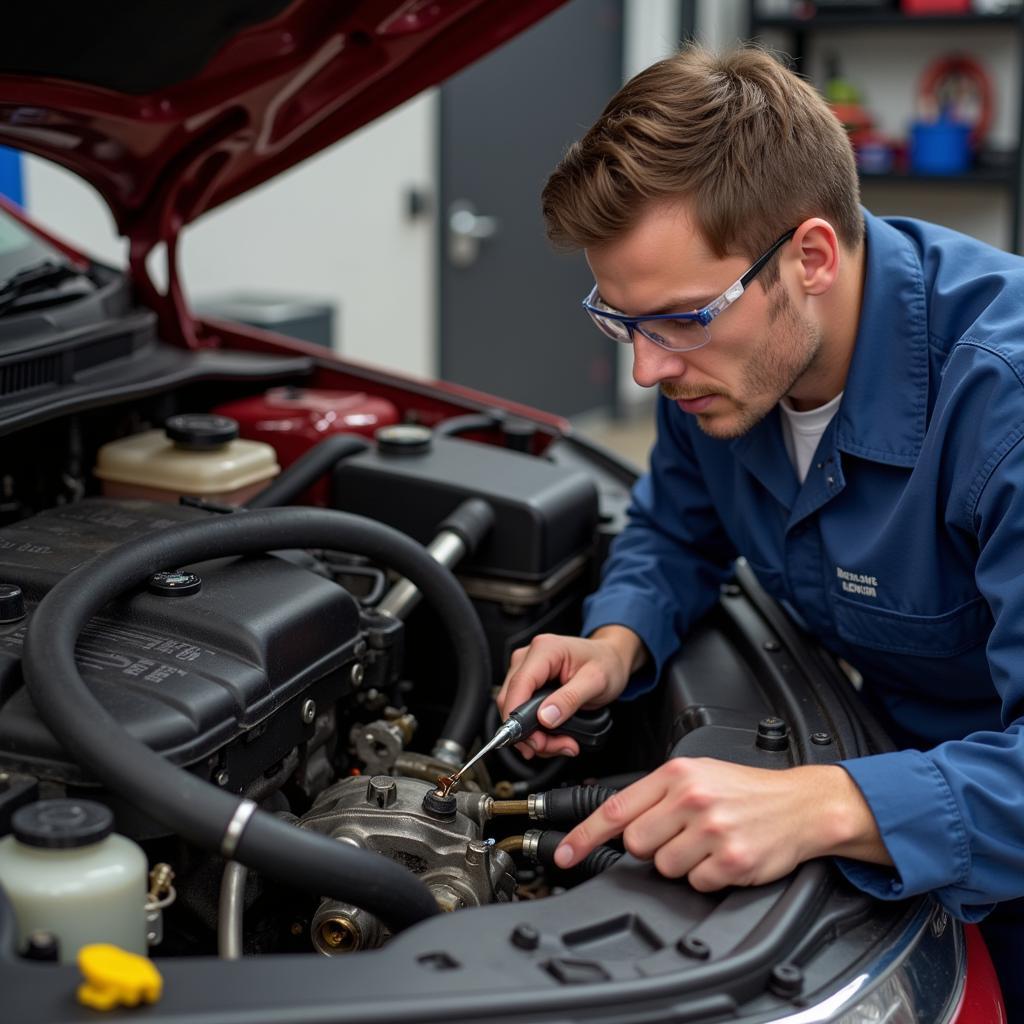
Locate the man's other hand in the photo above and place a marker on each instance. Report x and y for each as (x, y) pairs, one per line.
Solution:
(593, 672)
(723, 824)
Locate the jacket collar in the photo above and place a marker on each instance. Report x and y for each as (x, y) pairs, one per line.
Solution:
(883, 415)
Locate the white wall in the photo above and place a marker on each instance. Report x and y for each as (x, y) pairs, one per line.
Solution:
(333, 228)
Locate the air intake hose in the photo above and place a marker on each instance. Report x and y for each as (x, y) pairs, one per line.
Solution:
(204, 815)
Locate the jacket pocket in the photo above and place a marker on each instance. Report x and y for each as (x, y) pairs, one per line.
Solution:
(933, 636)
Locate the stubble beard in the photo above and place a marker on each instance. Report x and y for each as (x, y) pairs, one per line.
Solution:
(786, 352)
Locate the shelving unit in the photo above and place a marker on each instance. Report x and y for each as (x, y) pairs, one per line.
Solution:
(800, 32)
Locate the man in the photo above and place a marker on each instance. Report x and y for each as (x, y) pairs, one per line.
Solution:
(842, 402)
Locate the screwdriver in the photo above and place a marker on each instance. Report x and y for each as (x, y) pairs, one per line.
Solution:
(589, 728)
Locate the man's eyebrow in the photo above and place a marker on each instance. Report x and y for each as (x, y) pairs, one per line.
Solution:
(683, 304)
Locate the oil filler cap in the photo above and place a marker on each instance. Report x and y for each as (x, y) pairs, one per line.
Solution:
(404, 439)
(12, 603)
(62, 824)
(200, 431)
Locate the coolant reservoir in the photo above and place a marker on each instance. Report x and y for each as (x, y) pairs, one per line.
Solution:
(66, 872)
(196, 454)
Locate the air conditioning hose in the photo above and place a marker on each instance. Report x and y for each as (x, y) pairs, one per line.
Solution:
(199, 812)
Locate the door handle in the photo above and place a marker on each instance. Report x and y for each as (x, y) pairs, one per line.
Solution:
(466, 230)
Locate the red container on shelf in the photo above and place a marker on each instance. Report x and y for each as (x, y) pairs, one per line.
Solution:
(292, 420)
(935, 6)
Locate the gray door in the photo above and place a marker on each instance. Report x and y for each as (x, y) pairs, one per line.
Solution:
(511, 322)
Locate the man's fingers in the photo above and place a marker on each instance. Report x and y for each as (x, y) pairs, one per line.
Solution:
(650, 831)
(611, 818)
(585, 685)
(538, 666)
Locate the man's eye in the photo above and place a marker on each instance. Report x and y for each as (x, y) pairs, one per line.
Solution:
(670, 329)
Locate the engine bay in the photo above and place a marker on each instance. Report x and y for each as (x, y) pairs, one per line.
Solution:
(263, 675)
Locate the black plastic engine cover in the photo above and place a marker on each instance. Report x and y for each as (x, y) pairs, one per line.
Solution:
(187, 675)
(544, 514)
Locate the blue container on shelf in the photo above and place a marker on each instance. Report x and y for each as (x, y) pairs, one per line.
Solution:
(940, 147)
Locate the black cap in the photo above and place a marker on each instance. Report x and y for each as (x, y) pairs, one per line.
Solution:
(12, 603)
(175, 583)
(62, 824)
(200, 431)
(403, 439)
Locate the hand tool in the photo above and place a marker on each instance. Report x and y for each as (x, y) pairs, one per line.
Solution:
(588, 728)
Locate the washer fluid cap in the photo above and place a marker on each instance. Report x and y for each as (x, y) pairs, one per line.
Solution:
(12, 603)
(200, 431)
(404, 439)
(62, 824)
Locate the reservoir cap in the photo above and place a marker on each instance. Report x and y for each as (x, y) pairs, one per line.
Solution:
(403, 439)
(200, 431)
(62, 824)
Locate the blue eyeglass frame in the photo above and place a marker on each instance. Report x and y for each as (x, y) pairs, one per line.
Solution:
(703, 316)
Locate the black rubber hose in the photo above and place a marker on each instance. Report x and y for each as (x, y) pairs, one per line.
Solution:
(470, 521)
(470, 422)
(197, 811)
(572, 804)
(306, 470)
(594, 863)
(553, 767)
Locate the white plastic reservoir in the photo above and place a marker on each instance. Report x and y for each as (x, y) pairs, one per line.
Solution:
(66, 872)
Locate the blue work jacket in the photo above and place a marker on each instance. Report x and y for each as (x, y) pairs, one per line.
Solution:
(902, 551)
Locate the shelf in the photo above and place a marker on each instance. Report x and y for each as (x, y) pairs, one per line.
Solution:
(1004, 178)
(881, 19)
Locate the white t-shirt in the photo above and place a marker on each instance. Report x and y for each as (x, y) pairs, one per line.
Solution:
(802, 431)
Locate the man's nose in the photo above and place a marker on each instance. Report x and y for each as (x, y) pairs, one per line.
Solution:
(652, 364)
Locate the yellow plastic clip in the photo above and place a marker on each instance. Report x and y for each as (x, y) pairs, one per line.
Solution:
(115, 977)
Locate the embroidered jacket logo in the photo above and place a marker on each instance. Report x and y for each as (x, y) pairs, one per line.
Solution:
(857, 583)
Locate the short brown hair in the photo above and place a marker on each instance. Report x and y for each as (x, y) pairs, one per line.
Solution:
(753, 146)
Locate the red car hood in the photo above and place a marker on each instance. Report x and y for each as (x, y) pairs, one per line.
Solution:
(172, 109)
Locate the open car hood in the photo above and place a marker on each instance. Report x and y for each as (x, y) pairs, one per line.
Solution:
(169, 110)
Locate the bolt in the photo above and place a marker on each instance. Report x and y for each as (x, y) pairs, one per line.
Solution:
(381, 790)
(525, 936)
(822, 739)
(692, 946)
(786, 980)
(772, 645)
(222, 778)
(308, 712)
(476, 850)
(357, 675)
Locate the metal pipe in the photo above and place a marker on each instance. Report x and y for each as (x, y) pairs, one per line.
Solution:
(232, 904)
(511, 844)
(446, 548)
(510, 807)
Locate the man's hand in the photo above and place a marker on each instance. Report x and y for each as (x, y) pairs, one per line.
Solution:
(725, 824)
(593, 671)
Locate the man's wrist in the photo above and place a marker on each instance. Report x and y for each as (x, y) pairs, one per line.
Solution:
(626, 643)
(844, 825)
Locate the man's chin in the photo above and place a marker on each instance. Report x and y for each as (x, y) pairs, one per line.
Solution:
(728, 426)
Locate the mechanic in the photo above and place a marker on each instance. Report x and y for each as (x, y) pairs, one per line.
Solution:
(845, 409)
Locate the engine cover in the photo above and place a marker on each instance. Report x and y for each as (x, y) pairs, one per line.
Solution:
(215, 681)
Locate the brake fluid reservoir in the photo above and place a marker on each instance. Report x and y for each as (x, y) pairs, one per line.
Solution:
(66, 872)
(195, 454)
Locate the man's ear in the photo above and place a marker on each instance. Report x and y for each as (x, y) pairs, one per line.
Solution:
(818, 255)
